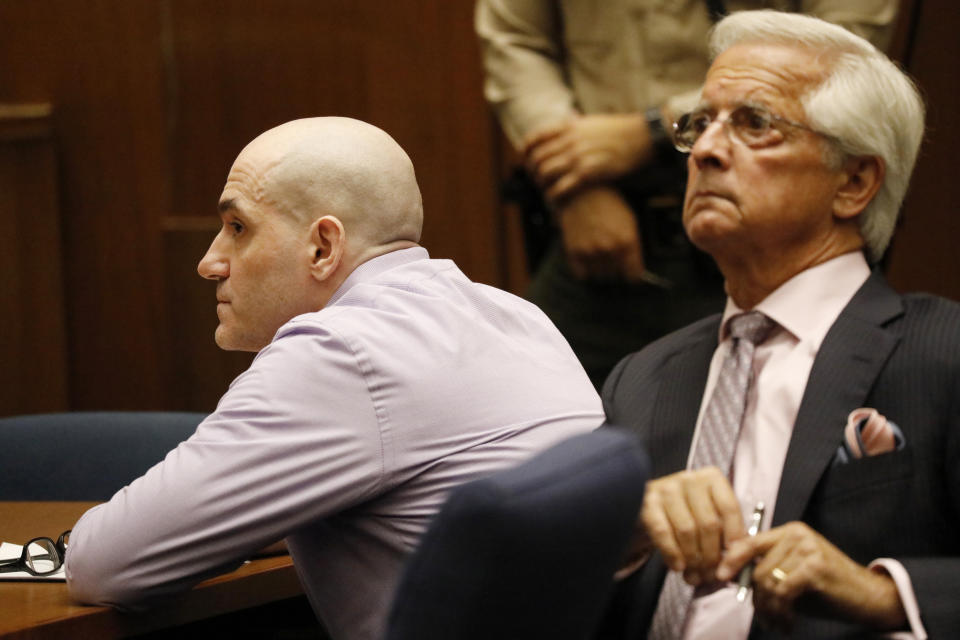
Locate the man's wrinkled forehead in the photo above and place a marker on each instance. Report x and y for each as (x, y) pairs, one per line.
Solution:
(761, 73)
(249, 181)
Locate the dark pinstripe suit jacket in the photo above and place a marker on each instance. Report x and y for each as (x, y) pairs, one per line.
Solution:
(898, 354)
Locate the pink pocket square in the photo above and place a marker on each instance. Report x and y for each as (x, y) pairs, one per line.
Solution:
(868, 434)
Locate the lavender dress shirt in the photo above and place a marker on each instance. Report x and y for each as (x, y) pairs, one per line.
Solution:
(344, 436)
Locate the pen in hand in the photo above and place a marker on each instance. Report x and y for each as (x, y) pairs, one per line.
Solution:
(746, 573)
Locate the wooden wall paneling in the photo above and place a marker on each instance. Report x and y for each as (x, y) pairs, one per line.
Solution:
(116, 183)
(425, 87)
(28, 51)
(475, 197)
(98, 61)
(237, 69)
(33, 341)
(924, 256)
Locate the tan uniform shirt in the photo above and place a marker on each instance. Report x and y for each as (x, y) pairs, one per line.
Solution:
(546, 60)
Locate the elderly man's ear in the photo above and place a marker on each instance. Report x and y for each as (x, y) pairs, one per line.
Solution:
(328, 241)
(861, 178)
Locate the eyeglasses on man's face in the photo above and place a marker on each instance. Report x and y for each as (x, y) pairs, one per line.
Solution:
(40, 556)
(752, 125)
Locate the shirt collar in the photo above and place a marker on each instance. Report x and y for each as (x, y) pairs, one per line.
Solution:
(375, 266)
(825, 288)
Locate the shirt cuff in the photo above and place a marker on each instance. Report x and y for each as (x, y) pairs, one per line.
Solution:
(907, 598)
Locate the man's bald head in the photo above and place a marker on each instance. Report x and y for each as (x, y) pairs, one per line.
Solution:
(305, 203)
(339, 167)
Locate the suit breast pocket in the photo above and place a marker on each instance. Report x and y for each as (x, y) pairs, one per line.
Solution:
(864, 507)
(858, 479)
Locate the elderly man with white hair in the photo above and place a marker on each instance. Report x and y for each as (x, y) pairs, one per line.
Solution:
(820, 406)
(383, 378)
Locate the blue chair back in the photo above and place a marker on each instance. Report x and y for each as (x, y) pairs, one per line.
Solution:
(528, 552)
(84, 455)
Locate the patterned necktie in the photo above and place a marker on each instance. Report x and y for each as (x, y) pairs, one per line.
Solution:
(715, 447)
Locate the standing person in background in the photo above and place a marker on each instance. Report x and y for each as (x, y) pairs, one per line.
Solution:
(584, 91)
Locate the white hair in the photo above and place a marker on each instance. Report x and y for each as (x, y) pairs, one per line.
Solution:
(865, 102)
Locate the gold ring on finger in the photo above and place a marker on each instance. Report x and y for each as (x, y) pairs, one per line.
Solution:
(779, 575)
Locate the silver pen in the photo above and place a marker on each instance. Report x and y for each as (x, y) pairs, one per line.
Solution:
(746, 573)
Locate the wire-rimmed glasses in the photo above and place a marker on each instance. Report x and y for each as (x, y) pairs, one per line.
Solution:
(752, 125)
(40, 557)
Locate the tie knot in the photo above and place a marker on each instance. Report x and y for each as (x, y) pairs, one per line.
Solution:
(752, 327)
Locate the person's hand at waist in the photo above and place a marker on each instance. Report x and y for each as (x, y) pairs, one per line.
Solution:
(798, 570)
(586, 150)
(691, 518)
(600, 236)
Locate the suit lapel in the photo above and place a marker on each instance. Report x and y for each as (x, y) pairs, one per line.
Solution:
(849, 360)
(675, 412)
(673, 418)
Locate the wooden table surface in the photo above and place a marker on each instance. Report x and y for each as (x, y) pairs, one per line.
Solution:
(43, 609)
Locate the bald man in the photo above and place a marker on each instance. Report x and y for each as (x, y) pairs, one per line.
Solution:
(383, 378)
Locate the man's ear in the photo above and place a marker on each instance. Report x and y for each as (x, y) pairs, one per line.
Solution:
(328, 242)
(862, 177)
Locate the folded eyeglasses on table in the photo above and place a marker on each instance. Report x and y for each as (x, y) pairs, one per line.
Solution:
(40, 556)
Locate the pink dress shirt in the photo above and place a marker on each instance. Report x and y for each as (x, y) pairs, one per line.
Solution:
(804, 307)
